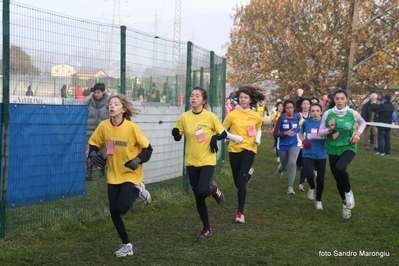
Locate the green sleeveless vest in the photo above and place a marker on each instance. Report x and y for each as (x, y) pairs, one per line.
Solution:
(345, 125)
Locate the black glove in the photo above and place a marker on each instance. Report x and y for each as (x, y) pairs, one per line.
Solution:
(97, 159)
(133, 164)
(214, 144)
(176, 134)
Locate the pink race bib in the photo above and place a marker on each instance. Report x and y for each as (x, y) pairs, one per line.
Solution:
(313, 133)
(251, 131)
(200, 135)
(110, 146)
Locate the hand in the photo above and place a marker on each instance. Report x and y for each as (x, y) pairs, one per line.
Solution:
(331, 124)
(306, 144)
(355, 138)
(133, 164)
(214, 144)
(290, 132)
(97, 159)
(176, 134)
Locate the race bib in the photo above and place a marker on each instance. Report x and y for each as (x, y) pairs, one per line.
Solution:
(110, 146)
(200, 135)
(313, 133)
(251, 131)
(335, 135)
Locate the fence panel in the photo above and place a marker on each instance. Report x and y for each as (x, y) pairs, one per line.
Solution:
(50, 52)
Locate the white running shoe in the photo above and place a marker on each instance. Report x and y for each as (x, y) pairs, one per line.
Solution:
(250, 173)
(279, 174)
(144, 195)
(240, 217)
(346, 213)
(301, 188)
(125, 250)
(350, 200)
(318, 205)
(278, 160)
(311, 194)
(290, 191)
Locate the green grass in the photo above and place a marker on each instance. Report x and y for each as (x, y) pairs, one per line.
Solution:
(279, 229)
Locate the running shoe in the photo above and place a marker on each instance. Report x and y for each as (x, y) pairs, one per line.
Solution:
(290, 191)
(311, 194)
(124, 250)
(240, 217)
(346, 213)
(206, 231)
(350, 200)
(318, 205)
(217, 194)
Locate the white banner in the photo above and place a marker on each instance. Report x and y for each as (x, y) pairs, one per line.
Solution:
(377, 124)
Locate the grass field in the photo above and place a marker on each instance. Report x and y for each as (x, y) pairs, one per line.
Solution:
(279, 229)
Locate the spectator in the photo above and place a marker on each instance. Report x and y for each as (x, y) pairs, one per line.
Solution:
(97, 112)
(383, 114)
(368, 115)
(298, 98)
(173, 96)
(87, 98)
(79, 93)
(163, 98)
(86, 92)
(154, 93)
(63, 91)
(324, 101)
(29, 92)
(140, 92)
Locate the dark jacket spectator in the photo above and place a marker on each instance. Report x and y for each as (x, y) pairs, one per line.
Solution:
(63, 92)
(383, 112)
(29, 92)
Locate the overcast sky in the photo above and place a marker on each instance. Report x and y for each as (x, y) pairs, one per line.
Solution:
(141, 15)
(133, 11)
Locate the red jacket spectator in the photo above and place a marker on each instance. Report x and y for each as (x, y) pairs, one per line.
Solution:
(79, 93)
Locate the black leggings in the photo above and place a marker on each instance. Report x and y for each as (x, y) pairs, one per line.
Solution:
(121, 198)
(275, 146)
(309, 165)
(240, 164)
(338, 164)
(200, 181)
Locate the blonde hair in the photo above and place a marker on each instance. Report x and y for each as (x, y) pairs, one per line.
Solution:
(127, 104)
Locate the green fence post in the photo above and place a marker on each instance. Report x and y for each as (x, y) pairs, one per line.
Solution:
(212, 86)
(223, 88)
(5, 115)
(187, 102)
(202, 77)
(123, 60)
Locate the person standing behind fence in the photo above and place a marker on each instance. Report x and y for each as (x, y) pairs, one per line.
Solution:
(244, 129)
(369, 116)
(97, 112)
(29, 91)
(286, 130)
(64, 91)
(383, 112)
(79, 93)
(199, 127)
(127, 149)
(338, 126)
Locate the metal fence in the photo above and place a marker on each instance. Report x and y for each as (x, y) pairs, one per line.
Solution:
(44, 51)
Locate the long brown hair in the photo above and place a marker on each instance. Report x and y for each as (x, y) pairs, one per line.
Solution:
(127, 104)
(255, 93)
